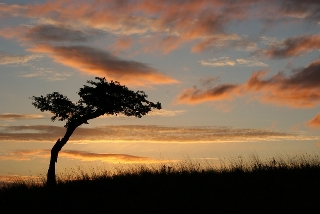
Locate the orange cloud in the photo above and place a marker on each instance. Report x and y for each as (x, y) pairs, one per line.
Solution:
(115, 158)
(300, 90)
(101, 63)
(315, 122)
(25, 155)
(294, 46)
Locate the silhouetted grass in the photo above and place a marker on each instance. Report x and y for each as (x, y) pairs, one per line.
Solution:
(289, 184)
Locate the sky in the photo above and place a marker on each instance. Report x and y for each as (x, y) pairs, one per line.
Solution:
(234, 78)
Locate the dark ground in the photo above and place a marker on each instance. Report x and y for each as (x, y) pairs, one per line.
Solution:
(266, 191)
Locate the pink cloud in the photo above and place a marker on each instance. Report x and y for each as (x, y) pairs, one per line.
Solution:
(300, 90)
(220, 92)
(294, 46)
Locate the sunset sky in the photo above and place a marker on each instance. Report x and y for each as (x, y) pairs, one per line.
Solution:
(234, 78)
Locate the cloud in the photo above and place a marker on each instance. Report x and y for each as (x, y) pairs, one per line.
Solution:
(165, 25)
(123, 43)
(217, 62)
(171, 23)
(195, 95)
(166, 113)
(39, 133)
(226, 61)
(294, 46)
(12, 10)
(160, 113)
(308, 10)
(214, 41)
(143, 134)
(11, 116)
(209, 81)
(115, 158)
(51, 40)
(251, 63)
(25, 155)
(300, 90)
(46, 73)
(6, 59)
(97, 62)
(315, 122)
(56, 33)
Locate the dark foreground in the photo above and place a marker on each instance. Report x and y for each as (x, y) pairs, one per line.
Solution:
(267, 190)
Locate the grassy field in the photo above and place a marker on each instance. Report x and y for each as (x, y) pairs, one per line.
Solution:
(282, 185)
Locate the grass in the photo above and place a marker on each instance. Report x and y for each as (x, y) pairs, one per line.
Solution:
(289, 184)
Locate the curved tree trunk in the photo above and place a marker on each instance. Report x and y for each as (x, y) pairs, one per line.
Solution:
(51, 176)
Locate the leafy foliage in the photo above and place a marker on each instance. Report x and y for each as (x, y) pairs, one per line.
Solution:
(100, 98)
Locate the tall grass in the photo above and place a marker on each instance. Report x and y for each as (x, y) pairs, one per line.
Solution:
(251, 164)
(282, 184)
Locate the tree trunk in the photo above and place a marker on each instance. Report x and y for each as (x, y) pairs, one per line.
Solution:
(51, 176)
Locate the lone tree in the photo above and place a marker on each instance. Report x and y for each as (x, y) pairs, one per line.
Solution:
(96, 100)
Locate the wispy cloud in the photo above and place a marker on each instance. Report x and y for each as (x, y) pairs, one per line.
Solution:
(166, 113)
(25, 155)
(46, 73)
(160, 113)
(143, 134)
(226, 61)
(6, 59)
(251, 63)
(12, 116)
(217, 62)
(300, 90)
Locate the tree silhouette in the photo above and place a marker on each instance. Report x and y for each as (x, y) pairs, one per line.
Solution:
(96, 100)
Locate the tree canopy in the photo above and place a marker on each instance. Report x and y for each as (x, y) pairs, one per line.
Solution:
(100, 98)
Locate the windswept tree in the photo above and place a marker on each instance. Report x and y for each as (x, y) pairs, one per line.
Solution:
(100, 98)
